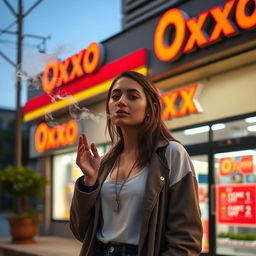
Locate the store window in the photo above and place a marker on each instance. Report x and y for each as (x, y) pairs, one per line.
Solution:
(235, 176)
(65, 173)
(221, 131)
(193, 136)
(200, 163)
(235, 129)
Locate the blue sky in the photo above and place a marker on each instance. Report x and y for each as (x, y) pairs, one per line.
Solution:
(72, 25)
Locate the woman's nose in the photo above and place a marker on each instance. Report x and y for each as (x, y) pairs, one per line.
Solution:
(121, 101)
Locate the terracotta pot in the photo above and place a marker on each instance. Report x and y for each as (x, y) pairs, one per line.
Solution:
(23, 230)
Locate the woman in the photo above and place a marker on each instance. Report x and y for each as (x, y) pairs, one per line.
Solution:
(142, 198)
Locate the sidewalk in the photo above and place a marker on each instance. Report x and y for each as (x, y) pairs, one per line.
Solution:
(45, 246)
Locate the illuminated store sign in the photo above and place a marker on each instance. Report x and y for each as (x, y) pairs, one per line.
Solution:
(240, 164)
(181, 102)
(86, 61)
(176, 21)
(47, 138)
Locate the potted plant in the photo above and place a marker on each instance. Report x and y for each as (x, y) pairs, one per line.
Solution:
(24, 184)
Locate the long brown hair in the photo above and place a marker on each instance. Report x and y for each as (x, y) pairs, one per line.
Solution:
(152, 129)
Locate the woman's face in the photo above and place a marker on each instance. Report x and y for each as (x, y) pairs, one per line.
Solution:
(127, 103)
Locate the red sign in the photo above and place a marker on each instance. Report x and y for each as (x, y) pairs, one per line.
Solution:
(241, 164)
(228, 19)
(236, 204)
(202, 194)
(181, 102)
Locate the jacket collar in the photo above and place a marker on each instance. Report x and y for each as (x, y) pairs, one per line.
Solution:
(158, 175)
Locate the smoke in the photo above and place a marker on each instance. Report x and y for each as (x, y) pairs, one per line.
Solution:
(83, 113)
(49, 119)
(35, 62)
(33, 65)
(75, 111)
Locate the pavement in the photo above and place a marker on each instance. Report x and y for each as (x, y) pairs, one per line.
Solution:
(44, 246)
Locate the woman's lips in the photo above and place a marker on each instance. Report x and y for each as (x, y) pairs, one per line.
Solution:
(121, 113)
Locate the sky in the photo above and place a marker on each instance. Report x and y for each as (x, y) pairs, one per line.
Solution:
(72, 26)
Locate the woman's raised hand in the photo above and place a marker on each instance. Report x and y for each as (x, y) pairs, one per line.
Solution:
(88, 160)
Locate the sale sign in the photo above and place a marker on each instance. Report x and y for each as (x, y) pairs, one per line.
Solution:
(236, 204)
(240, 164)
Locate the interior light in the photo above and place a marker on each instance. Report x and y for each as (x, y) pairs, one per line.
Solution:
(66, 159)
(219, 126)
(251, 119)
(197, 130)
(251, 128)
(195, 162)
(235, 154)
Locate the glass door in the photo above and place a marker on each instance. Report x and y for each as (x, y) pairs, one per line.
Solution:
(65, 172)
(235, 202)
(200, 163)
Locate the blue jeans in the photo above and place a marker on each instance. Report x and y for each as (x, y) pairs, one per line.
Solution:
(113, 249)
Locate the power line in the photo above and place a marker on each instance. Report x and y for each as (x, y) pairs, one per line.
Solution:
(14, 43)
(8, 27)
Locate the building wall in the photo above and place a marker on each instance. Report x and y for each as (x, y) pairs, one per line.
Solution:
(224, 94)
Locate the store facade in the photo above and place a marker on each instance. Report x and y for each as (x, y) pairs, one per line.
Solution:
(201, 55)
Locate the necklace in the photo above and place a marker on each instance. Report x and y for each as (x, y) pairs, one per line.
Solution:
(118, 205)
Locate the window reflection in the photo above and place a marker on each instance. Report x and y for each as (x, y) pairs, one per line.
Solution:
(236, 129)
(65, 174)
(221, 131)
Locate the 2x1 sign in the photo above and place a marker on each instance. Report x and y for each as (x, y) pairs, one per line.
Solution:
(236, 204)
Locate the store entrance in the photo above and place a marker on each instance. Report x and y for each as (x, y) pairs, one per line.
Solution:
(235, 202)
(224, 156)
(200, 163)
(226, 174)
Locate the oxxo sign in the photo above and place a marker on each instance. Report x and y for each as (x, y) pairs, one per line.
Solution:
(242, 12)
(181, 102)
(86, 61)
(47, 138)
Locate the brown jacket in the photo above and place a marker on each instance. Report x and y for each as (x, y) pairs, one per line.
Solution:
(171, 224)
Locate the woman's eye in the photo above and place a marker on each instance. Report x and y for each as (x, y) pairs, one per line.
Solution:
(133, 97)
(115, 97)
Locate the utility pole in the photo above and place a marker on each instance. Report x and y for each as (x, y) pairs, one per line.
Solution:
(19, 116)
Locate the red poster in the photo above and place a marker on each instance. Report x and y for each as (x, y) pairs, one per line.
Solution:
(240, 164)
(202, 193)
(236, 204)
(205, 224)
